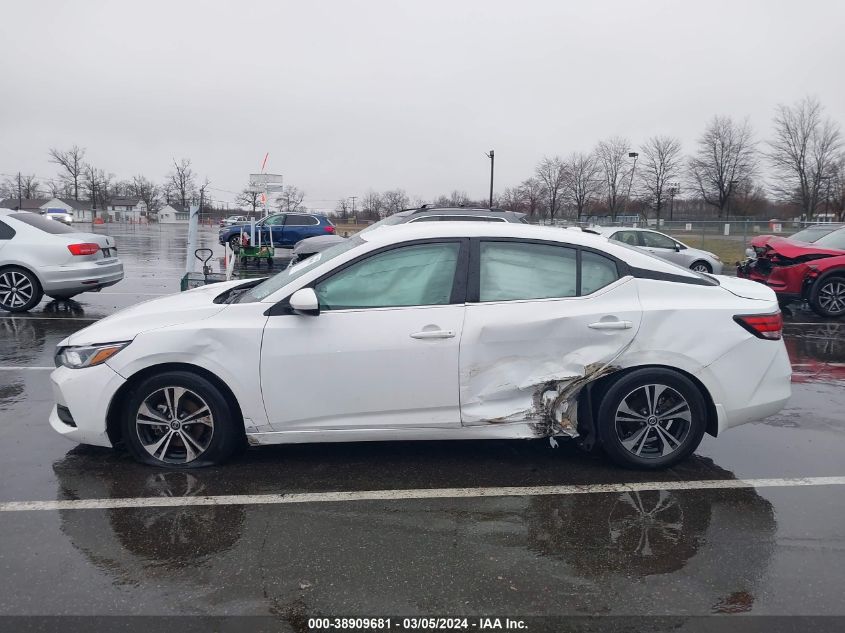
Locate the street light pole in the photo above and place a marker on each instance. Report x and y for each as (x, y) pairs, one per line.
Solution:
(491, 156)
(633, 155)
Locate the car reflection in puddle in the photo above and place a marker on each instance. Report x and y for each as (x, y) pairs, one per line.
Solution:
(817, 352)
(710, 549)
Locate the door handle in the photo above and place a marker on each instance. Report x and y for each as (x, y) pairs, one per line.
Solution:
(611, 325)
(434, 334)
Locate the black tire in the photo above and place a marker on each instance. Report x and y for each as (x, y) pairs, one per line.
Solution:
(636, 387)
(19, 289)
(701, 266)
(218, 443)
(61, 297)
(827, 296)
(235, 243)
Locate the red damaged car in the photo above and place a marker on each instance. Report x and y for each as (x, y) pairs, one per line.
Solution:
(802, 271)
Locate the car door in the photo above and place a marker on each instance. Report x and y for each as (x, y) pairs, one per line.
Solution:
(662, 246)
(382, 353)
(542, 319)
(272, 230)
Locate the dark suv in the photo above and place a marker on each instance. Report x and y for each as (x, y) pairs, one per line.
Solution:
(285, 229)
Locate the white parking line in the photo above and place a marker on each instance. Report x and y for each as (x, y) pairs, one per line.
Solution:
(27, 368)
(55, 318)
(401, 495)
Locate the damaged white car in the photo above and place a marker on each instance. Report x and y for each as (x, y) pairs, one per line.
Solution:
(433, 331)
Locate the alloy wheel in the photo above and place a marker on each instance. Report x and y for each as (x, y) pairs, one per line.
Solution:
(16, 289)
(701, 268)
(653, 421)
(174, 425)
(832, 296)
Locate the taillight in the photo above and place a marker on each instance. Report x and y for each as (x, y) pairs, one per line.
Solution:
(329, 228)
(84, 249)
(768, 326)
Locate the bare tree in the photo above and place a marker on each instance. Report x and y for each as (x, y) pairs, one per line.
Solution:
(458, 198)
(291, 199)
(804, 147)
(551, 172)
(584, 181)
(249, 198)
(183, 181)
(662, 162)
(395, 200)
(612, 156)
(835, 188)
(94, 183)
(534, 193)
(725, 160)
(30, 186)
(57, 188)
(147, 191)
(72, 162)
(342, 208)
(372, 205)
(513, 199)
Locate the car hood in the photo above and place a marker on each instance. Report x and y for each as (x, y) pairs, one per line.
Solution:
(192, 305)
(746, 288)
(792, 249)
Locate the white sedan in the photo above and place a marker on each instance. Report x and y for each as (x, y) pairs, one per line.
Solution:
(433, 331)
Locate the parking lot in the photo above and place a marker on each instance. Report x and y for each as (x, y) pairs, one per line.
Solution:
(753, 523)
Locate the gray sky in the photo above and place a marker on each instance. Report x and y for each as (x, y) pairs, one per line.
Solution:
(351, 95)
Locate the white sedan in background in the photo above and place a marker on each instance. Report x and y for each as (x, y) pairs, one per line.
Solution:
(39, 256)
(433, 331)
(663, 246)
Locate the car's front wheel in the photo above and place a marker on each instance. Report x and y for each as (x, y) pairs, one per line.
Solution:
(827, 297)
(19, 290)
(651, 418)
(701, 267)
(180, 419)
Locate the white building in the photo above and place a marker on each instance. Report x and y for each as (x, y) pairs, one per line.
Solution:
(173, 213)
(127, 210)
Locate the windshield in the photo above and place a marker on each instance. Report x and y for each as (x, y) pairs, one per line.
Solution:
(271, 285)
(832, 240)
(813, 233)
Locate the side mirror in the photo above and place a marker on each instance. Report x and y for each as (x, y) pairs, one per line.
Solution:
(304, 301)
(678, 247)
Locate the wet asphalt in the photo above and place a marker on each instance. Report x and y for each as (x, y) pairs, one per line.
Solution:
(766, 551)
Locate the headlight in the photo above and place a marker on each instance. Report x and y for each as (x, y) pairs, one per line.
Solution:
(80, 356)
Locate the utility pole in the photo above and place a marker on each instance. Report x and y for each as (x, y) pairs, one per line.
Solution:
(353, 207)
(491, 156)
(20, 201)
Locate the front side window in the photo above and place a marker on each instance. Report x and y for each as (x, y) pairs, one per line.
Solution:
(656, 240)
(513, 270)
(275, 220)
(417, 275)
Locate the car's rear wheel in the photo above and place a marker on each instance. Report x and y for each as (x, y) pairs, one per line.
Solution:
(180, 420)
(701, 267)
(827, 297)
(651, 418)
(19, 289)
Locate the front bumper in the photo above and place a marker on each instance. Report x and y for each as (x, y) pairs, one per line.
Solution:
(81, 277)
(86, 395)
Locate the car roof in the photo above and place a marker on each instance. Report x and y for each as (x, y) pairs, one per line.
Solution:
(478, 211)
(396, 233)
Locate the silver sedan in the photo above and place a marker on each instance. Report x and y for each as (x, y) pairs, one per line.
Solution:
(39, 256)
(665, 247)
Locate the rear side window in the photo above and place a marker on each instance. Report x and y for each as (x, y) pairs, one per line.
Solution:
(6, 231)
(626, 237)
(416, 275)
(301, 220)
(512, 271)
(42, 224)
